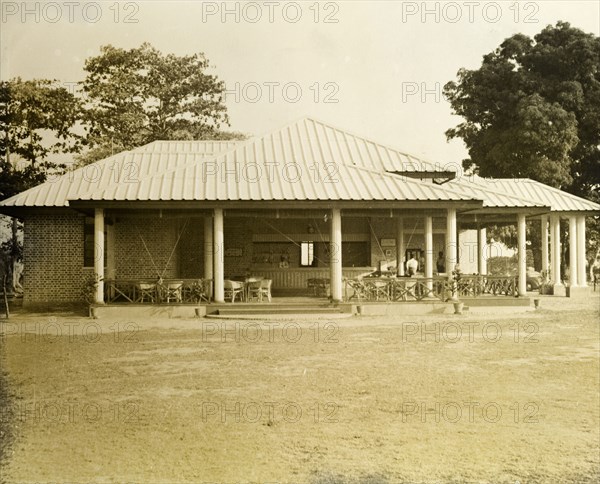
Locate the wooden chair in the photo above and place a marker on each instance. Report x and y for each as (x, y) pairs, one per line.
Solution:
(232, 289)
(253, 290)
(265, 289)
(378, 290)
(146, 291)
(359, 289)
(399, 289)
(173, 291)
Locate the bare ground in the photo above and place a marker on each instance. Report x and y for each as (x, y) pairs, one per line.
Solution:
(486, 398)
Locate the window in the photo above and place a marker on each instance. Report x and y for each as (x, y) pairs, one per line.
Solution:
(88, 243)
(307, 254)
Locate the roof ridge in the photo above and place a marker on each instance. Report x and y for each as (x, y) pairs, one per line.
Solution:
(377, 143)
(144, 148)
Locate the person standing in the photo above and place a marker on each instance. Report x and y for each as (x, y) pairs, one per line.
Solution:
(440, 263)
(412, 266)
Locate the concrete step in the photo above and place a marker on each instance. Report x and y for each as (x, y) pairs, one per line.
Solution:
(229, 311)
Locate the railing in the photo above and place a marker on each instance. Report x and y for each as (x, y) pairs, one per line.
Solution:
(420, 288)
(193, 291)
(494, 285)
(151, 291)
(396, 289)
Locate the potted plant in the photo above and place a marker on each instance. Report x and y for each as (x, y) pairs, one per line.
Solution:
(88, 292)
(455, 284)
(198, 291)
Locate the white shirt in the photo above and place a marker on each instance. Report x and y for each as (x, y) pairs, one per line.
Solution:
(413, 264)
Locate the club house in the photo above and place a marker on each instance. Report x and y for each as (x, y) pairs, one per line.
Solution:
(306, 211)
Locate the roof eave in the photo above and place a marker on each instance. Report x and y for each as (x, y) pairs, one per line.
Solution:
(202, 204)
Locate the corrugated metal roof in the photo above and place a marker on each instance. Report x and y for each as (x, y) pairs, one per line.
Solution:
(491, 198)
(128, 168)
(293, 163)
(303, 161)
(493, 192)
(306, 160)
(231, 180)
(342, 147)
(534, 190)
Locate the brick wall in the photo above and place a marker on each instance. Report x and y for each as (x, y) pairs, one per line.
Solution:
(238, 235)
(53, 259)
(143, 246)
(53, 254)
(191, 250)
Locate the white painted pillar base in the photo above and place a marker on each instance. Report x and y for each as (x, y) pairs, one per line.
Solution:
(555, 249)
(482, 251)
(219, 266)
(451, 245)
(522, 254)
(429, 250)
(544, 237)
(451, 242)
(573, 279)
(335, 251)
(400, 246)
(581, 252)
(99, 254)
(208, 252)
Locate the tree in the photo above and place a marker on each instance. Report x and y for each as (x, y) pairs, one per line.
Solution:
(37, 118)
(533, 109)
(139, 95)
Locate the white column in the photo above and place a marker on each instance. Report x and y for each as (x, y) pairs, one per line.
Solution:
(335, 251)
(400, 246)
(545, 243)
(458, 247)
(99, 254)
(573, 279)
(522, 254)
(429, 250)
(581, 252)
(555, 249)
(482, 250)
(208, 249)
(219, 268)
(451, 247)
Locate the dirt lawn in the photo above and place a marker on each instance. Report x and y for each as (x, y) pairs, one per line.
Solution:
(490, 398)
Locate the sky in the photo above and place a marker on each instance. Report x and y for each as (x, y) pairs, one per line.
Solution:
(374, 68)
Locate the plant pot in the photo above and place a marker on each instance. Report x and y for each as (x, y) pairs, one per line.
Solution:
(198, 314)
(536, 303)
(458, 307)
